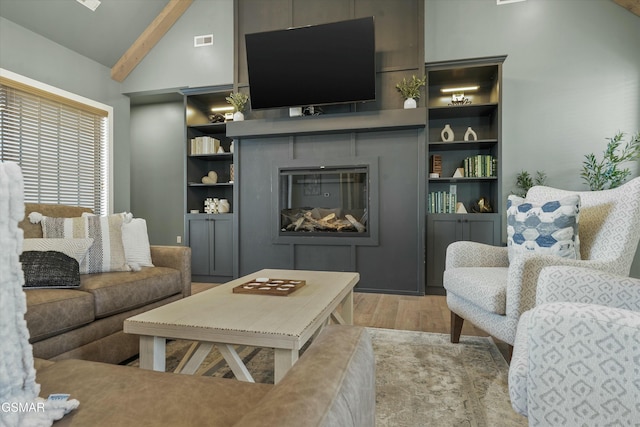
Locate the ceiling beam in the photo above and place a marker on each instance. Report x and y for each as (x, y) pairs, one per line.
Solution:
(148, 39)
(631, 5)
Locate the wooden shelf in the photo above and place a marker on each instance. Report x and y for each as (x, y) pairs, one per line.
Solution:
(217, 156)
(464, 179)
(457, 111)
(218, 184)
(330, 123)
(462, 145)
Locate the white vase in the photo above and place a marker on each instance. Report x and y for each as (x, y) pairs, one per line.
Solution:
(231, 147)
(410, 103)
(223, 206)
(238, 116)
(447, 133)
(470, 135)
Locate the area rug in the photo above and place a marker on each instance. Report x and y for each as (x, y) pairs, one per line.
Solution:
(421, 378)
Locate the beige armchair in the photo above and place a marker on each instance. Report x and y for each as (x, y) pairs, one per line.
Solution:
(489, 291)
(576, 359)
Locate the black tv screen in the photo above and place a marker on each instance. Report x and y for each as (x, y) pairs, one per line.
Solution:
(315, 65)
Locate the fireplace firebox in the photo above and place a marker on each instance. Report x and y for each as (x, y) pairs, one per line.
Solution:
(324, 200)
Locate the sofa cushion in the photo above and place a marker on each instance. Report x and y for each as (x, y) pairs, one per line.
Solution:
(147, 398)
(549, 227)
(120, 291)
(485, 286)
(107, 251)
(75, 248)
(52, 312)
(49, 269)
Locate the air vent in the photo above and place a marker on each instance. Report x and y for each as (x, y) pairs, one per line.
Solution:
(91, 4)
(206, 40)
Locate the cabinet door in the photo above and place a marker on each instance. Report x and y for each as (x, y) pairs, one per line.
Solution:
(199, 242)
(444, 229)
(222, 240)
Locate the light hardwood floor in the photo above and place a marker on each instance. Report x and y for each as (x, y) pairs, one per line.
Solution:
(427, 313)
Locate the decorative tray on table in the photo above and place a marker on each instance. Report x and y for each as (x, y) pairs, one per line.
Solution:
(267, 286)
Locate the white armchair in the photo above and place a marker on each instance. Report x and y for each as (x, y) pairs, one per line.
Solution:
(576, 358)
(484, 288)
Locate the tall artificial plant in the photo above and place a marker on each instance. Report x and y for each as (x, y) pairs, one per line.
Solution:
(524, 181)
(608, 172)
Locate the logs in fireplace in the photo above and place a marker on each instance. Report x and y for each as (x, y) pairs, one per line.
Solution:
(322, 220)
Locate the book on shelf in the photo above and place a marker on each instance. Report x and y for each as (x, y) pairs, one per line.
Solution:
(442, 202)
(480, 166)
(202, 145)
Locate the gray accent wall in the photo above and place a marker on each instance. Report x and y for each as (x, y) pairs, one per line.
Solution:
(157, 180)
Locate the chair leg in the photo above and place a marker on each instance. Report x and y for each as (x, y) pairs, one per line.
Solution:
(456, 327)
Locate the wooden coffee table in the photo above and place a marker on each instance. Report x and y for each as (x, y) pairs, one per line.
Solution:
(218, 317)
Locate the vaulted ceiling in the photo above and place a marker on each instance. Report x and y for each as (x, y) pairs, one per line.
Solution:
(111, 32)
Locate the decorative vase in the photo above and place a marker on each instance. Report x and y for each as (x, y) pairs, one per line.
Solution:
(231, 147)
(223, 206)
(447, 133)
(470, 135)
(238, 116)
(410, 103)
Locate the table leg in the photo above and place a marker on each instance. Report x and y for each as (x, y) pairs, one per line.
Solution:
(346, 318)
(196, 359)
(235, 362)
(284, 360)
(152, 353)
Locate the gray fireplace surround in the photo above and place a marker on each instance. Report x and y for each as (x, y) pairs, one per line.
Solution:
(388, 144)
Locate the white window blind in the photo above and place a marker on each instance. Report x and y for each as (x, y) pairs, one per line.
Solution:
(61, 146)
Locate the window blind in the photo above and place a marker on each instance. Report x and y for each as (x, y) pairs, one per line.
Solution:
(61, 147)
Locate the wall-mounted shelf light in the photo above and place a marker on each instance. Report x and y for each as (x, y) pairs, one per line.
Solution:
(457, 93)
(218, 109)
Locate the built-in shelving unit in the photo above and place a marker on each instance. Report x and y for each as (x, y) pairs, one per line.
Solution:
(210, 236)
(480, 109)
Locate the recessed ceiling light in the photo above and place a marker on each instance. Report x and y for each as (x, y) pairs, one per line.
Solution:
(91, 4)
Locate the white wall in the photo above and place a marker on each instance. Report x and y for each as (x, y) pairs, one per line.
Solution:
(571, 77)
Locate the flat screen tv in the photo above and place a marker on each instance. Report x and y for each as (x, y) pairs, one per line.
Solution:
(314, 65)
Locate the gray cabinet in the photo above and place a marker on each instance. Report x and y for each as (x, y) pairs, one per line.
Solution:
(462, 95)
(210, 237)
(444, 229)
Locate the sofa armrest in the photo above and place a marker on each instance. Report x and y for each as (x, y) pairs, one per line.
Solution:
(473, 254)
(575, 284)
(178, 257)
(333, 384)
(580, 365)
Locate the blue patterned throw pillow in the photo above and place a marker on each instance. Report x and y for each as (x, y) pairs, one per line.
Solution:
(549, 228)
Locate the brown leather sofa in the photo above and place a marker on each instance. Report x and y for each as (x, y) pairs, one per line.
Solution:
(86, 323)
(332, 384)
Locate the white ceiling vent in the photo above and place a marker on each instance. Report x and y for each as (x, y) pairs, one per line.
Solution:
(206, 40)
(501, 2)
(91, 4)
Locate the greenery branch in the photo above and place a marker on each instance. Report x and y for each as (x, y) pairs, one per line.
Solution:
(238, 100)
(608, 172)
(411, 88)
(524, 181)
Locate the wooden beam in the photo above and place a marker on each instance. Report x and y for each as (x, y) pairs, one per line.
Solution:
(148, 39)
(632, 6)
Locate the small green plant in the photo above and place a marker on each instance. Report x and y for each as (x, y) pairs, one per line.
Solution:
(607, 172)
(238, 100)
(524, 181)
(411, 88)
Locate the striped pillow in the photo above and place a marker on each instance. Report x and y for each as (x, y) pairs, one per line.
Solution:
(107, 252)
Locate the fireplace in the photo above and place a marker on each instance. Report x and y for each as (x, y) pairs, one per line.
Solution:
(324, 201)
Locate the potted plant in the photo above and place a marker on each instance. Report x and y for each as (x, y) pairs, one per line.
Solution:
(238, 100)
(524, 181)
(607, 173)
(410, 90)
